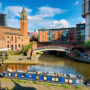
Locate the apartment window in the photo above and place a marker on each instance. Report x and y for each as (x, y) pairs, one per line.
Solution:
(89, 6)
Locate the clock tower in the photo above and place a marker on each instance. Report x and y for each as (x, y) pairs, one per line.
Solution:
(23, 22)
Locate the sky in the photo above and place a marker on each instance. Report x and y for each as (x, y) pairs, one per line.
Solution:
(43, 13)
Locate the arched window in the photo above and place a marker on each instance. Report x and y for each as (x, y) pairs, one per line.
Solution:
(19, 45)
(7, 46)
(15, 47)
(12, 47)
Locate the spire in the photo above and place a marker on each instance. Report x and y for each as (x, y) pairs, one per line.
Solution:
(23, 14)
(23, 10)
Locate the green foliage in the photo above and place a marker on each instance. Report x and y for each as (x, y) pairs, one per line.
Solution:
(25, 48)
(35, 82)
(65, 86)
(19, 81)
(79, 87)
(87, 45)
(9, 53)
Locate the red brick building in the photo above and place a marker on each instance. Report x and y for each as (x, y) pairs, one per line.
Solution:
(15, 38)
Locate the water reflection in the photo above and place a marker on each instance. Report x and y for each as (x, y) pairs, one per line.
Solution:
(13, 67)
(62, 65)
(52, 64)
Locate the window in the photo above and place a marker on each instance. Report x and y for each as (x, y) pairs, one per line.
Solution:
(15, 47)
(12, 47)
(15, 39)
(7, 46)
(7, 39)
(19, 38)
(89, 6)
(12, 38)
(22, 38)
(7, 36)
(19, 45)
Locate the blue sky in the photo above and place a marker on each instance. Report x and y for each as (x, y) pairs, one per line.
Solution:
(43, 13)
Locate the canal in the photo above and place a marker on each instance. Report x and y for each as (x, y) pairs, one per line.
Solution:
(53, 64)
(62, 65)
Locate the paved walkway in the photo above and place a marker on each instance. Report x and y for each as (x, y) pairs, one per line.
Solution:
(16, 59)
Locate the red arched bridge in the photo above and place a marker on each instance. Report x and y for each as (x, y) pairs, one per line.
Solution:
(68, 48)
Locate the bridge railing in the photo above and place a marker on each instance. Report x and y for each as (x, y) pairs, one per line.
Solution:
(52, 47)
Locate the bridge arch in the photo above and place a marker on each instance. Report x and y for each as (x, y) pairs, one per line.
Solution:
(52, 48)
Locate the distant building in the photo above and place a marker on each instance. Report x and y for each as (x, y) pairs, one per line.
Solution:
(33, 36)
(15, 38)
(36, 31)
(3, 20)
(63, 35)
(86, 15)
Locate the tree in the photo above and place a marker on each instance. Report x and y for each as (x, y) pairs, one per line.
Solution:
(25, 48)
(87, 45)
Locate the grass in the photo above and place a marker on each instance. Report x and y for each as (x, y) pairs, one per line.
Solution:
(14, 59)
(13, 53)
(42, 83)
(65, 86)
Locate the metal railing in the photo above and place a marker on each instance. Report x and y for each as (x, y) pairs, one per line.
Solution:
(53, 47)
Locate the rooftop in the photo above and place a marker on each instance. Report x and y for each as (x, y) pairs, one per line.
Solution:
(6, 27)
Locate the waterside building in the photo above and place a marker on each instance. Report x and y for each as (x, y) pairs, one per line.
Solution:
(15, 38)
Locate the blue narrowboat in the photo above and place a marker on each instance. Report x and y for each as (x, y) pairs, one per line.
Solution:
(46, 77)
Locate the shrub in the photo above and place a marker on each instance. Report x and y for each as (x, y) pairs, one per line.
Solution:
(25, 48)
(87, 45)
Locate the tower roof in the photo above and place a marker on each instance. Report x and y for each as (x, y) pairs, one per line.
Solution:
(23, 10)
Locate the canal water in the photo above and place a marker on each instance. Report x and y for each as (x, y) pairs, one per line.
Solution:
(62, 65)
(53, 64)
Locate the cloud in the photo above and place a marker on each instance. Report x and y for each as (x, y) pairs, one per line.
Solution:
(46, 12)
(14, 23)
(75, 20)
(49, 11)
(15, 10)
(34, 18)
(43, 18)
(76, 3)
(0, 5)
(48, 23)
(60, 24)
(83, 21)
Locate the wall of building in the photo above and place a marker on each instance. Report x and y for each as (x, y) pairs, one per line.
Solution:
(13, 38)
(2, 40)
(8, 29)
(14, 42)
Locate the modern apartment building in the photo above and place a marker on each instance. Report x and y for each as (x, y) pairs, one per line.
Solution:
(86, 15)
(63, 35)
